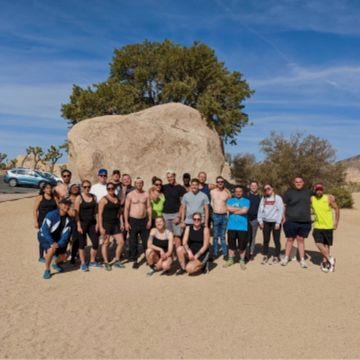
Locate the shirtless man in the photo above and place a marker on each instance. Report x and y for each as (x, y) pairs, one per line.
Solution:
(137, 216)
(219, 197)
(62, 190)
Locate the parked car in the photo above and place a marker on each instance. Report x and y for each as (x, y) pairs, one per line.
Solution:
(50, 176)
(26, 177)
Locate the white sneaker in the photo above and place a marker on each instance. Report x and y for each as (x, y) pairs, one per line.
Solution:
(324, 267)
(294, 258)
(284, 261)
(303, 264)
(332, 261)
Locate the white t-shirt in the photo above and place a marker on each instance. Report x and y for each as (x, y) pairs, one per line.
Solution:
(99, 190)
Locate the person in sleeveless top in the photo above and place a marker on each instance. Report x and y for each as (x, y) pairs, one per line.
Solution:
(160, 247)
(44, 203)
(193, 255)
(87, 225)
(323, 206)
(110, 224)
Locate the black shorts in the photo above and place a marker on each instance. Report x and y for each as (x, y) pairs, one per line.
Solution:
(242, 238)
(293, 229)
(89, 229)
(323, 236)
(112, 229)
(60, 251)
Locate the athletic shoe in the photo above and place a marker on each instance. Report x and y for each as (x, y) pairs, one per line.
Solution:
(181, 271)
(264, 260)
(303, 264)
(118, 264)
(47, 274)
(242, 265)
(136, 265)
(294, 258)
(95, 264)
(151, 272)
(57, 267)
(275, 260)
(41, 259)
(228, 263)
(332, 261)
(324, 266)
(284, 261)
(107, 266)
(84, 267)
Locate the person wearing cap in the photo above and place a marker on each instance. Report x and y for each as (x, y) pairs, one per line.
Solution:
(99, 189)
(323, 206)
(54, 235)
(137, 216)
(186, 181)
(297, 225)
(173, 193)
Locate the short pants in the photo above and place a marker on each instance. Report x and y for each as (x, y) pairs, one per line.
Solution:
(174, 228)
(242, 238)
(293, 229)
(323, 236)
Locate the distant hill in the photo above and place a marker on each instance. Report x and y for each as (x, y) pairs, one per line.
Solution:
(352, 166)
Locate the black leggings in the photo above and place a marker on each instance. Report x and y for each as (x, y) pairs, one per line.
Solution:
(268, 228)
(75, 237)
(138, 227)
(89, 229)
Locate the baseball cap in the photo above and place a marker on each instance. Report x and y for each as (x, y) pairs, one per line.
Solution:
(102, 172)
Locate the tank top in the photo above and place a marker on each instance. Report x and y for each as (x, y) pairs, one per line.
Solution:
(323, 213)
(45, 206)
(87, 211)
(196, 239)
(162, 243)
(111, 212)
(158, 206)
(206, 190)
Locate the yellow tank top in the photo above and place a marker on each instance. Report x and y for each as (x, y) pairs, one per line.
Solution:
(323, 213)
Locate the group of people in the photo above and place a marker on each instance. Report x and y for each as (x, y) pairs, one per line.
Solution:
(175, 222)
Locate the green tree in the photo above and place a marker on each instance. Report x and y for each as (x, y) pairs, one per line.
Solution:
(52, 156)
(12, 163)
(3, 157)
(37, 154)
(152, 73)
(65, 146)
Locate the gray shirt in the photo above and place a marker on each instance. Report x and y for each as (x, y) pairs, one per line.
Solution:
(194, 203)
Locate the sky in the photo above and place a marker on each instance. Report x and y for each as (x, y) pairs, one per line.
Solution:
(302, 58)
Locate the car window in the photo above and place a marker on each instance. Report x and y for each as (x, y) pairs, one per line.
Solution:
(20, 172)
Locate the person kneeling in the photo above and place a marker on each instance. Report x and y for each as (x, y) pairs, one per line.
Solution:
(195, 247)
(159, 247)
(54, 236)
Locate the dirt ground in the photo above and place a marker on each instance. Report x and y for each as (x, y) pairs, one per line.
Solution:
(263, 312)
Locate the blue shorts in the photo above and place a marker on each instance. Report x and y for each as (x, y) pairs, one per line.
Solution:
(293, 229)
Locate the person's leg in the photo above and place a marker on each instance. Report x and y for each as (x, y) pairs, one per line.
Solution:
(232, 248)
(133, 240)
(48, 257)
(181, 254)
(193, 266)
(254, 228)
(301, 246)
(222, 235)
(41, 252)
(166, 265)
(266, 238)
(144, 234)
(94, 237)
(151, 257)
(217, 221)
(276, 237)
(74, 245)
(82, 243)
(324, 250)
(120, 245)
(243, 239)
(104, 248)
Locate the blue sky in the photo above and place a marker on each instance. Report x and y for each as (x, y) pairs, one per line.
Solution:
(301, 57)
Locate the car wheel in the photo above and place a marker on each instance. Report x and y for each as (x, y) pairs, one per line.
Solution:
(13, 182)
(41, 184)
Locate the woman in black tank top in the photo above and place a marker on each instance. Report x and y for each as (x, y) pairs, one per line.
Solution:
(44, 203)
(110, 224)
(86, 221)
(159, 247)
(195, 247)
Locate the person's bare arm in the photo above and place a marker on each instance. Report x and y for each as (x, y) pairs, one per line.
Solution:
(212, 186)
(171, 244)
(182, 212)
(77, 210)
(335, 206)
(206, 208)
(36, 212)
(126, 212)
(185, 242)
(102, 203)
(149, 212)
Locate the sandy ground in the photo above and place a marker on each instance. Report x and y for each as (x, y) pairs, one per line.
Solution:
(263, 312)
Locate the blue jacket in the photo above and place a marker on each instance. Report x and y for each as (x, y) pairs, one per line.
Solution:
(48, 227)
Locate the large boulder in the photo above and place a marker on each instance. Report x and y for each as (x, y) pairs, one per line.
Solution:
(146, 143)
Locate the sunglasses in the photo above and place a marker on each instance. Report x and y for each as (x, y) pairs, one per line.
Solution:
(110, 188)
(220, 182)
(66, 176)
(197, 219)
(86, 187)
(103, 175)
(267, 189)
(158, 184)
